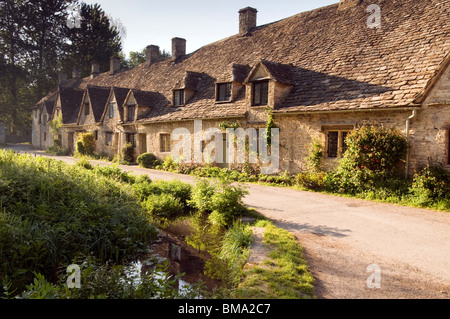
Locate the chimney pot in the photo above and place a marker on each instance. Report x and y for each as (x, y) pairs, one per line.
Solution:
(114, 65)
(76, 73)
(178, 47)
(95, 69)
(247, 20)
(62, 77)
(152, 54)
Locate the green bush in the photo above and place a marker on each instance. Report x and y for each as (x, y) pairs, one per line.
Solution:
(128, 153)
(86, 144)
(163, 205)
(57, 150)
(178, 189)
(310, 180)
(221, 197)
(52, 212)
(147, 160)
(432, 183)
(371, 160)
(115, 173)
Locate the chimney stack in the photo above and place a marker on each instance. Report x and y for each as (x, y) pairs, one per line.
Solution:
(178, 48)
(152, 54)
(114, 65)
(76, 73)
(95, 69)
(247, 20)
(62, 77)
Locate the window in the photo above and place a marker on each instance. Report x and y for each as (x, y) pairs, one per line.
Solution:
(337, 144)
(131, 113)
(178, 97)
(260, 93)
(223, 93)
(165, 143)
(131, 139)
(86, 109)
(96, 135)
(109, 139)
(112, 109)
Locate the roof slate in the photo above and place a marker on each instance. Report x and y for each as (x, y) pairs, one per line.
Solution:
(330, 56)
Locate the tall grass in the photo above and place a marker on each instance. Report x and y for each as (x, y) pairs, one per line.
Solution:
(51, 212)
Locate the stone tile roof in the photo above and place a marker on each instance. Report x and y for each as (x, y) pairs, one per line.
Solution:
(70, 104)
(333, 60)
(98, 97)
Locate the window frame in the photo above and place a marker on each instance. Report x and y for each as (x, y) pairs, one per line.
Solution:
(255, 89)
(112, 110)
(341, 145)
(131, 113)
(181, 97)
(164, 142)
(228, 92)
(107, 138)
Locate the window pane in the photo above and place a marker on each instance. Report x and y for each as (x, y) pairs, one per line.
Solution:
(178, 98)
(333, 139)
(224, 92)
(131, 111)
(264, 93)
(261, 93)
(257, 94)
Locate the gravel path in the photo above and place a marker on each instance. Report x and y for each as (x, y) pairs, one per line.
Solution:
(342, 237)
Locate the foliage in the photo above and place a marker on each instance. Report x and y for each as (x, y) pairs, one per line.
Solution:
(127, 153)
(178, 189)
(432, 183)
(163, 205)
(86, 144)
(138, 57)
(57, 150)
(284, 275)
(270, 125)
(115, 173)
(147, 160)
(51, 212)
(315, 157)
(226, 125)
(311, 180)
(228, 263)
(105, 281)
(220, 197)
(169, 163)
(372, 158)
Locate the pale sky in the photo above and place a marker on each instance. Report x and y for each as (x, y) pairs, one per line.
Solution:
(200, 22)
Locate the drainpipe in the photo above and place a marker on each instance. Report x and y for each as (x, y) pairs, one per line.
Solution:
(408, 122)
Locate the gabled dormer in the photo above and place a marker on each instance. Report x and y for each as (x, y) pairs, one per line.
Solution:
(229, 85)
(185, 89)
(268, 84)
(93, 105)
(139, 103)
(85, 114)
(113, 109)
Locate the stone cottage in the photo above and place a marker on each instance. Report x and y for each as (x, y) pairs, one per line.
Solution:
(320, 74)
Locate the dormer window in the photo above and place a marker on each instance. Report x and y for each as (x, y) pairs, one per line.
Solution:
(260, 93)
(131, 113)
(178, 97)
(112, 110)
(86, 109)
(223, 92)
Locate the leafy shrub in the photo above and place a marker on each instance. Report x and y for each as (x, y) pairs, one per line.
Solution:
(178, 189)
(86, 143)
(221, 197)
(163, 205)
(51, 212)
(57, 150)
(310, 180)
(371, 160)
(147, 160)
(84, 163)
(432, 182)
(115, 173)
(169, 163)
(187, 167)
(315, 157)
(128, 153)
